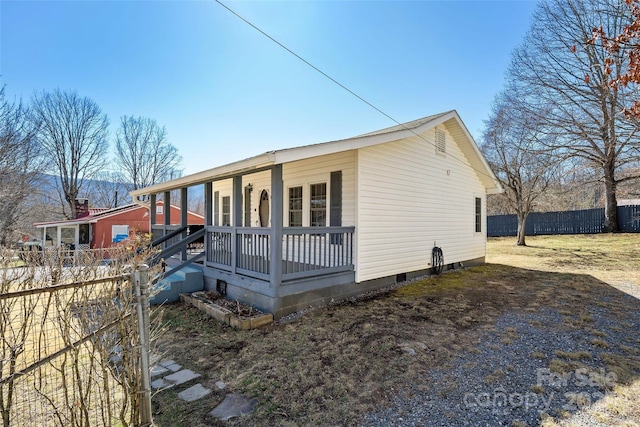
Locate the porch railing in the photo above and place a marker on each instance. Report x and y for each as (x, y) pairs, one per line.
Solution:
(316, 250)
(306, 251)
(219, 251)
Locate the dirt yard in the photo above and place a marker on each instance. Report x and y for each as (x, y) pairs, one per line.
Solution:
(555, 322)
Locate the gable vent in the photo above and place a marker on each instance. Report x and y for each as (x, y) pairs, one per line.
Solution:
(441, 143)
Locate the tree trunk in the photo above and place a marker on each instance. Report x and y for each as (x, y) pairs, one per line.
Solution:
(611, 202)
(522, 223)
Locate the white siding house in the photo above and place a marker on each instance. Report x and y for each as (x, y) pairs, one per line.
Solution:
(297, 226)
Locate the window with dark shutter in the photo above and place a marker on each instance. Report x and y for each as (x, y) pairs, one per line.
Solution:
(478, 215)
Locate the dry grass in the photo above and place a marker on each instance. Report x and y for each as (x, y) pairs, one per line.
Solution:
(333, 365)
(537, 388)
(600, 343)
(618, 408)
(610, 258)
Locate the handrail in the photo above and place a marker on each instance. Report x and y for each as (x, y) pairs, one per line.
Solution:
(318, 230)
(168, 236)
(178, 246)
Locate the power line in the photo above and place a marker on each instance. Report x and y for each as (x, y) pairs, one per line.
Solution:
(342, 86)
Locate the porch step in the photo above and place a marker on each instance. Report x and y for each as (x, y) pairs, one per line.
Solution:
(187, 280)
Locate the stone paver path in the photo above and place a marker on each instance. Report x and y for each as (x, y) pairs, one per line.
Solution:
(168, 374)
(170, 365)
(158, 370)
(175, 378)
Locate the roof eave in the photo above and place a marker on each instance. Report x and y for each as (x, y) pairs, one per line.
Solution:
(230, 169)
(299, 153)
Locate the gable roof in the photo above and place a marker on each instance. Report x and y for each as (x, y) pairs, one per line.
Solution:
(405, 126)
(95, 214)
(451, 119)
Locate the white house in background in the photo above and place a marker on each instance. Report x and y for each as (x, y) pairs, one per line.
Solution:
(296, 227)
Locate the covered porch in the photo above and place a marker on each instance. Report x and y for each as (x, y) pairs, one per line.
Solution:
(268, 265)
(72, 236)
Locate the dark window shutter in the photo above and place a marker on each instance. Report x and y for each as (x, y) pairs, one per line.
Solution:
(336, 199)
(335, 216)
(216, 208)
(247, 207)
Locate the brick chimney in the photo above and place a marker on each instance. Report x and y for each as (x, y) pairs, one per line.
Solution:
(82, 207)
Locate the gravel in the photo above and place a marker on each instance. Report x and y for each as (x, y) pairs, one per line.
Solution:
(508, 380)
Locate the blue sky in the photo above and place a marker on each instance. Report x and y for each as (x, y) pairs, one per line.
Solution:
(226, 92)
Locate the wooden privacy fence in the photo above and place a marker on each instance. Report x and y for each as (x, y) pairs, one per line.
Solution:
(74, 353)
(588, 221)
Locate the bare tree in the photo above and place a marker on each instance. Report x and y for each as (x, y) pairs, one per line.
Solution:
(20, 164)
(143, 153)
(108, 190)
(73, 130)
(578, 187)
(511, 144)
(562, 82)
(627, 42)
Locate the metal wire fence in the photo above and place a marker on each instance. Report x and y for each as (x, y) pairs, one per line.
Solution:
(74, 342)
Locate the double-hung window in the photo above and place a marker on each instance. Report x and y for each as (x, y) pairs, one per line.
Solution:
(226, 210)
(318, 207)
(478, 215)
(295, 207)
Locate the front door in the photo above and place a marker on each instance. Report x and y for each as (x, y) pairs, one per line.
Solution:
(264, 209)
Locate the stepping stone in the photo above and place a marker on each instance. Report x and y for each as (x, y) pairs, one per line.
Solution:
(174, 368)
(233, 405)
(158, 370)
(160, 383)
(194, 393)
(171, 365)
(181, 377)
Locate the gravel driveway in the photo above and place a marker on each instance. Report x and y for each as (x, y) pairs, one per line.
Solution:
(508, 381)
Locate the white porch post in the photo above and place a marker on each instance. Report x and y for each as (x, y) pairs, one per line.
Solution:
(275, 237)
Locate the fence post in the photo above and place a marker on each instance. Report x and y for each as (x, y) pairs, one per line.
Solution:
(142, 296)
